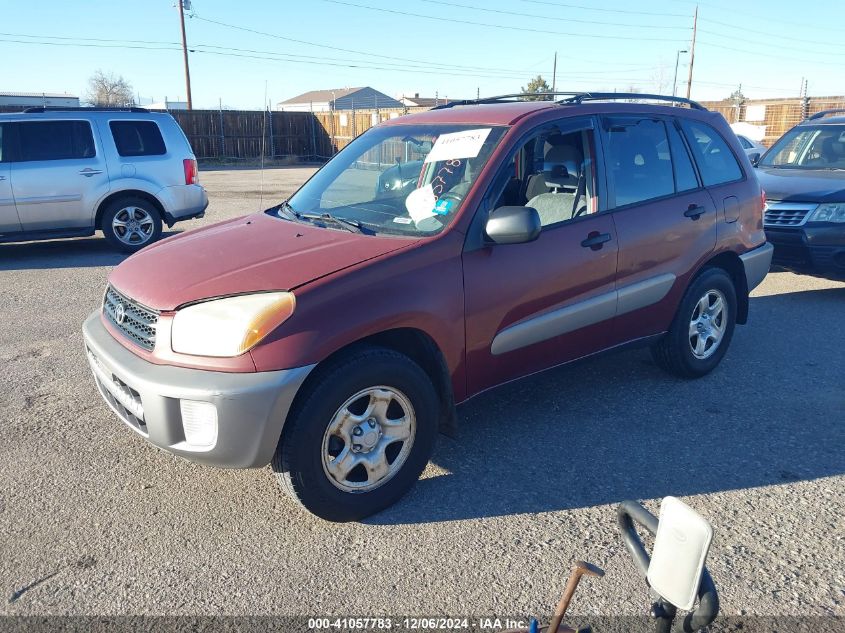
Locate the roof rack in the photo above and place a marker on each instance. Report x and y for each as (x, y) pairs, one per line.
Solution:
(517, 96)
(824, 113)
(612, 96)
(572, 98)
(37, 109)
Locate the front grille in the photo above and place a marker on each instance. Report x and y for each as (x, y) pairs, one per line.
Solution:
(138, 323)
(786, 214)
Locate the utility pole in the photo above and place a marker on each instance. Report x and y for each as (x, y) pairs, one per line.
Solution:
(692, 52)
(182, 4)
(554, 73)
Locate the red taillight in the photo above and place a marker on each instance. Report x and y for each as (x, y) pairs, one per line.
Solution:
(191, 171)
(762, 201)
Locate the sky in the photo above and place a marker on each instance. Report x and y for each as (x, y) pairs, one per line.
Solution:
(241, 51)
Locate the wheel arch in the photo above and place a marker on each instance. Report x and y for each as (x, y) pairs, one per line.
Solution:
(731, 264)
(128, 193)
(412, 342)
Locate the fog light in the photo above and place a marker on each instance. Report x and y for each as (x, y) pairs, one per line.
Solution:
(199, 421)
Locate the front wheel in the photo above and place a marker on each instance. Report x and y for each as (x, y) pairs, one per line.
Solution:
(703, 327)
(359, 436)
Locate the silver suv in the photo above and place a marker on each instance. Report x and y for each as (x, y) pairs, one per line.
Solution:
(67, 173)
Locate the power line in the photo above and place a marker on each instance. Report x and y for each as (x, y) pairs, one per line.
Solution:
(771, 44)
(501, 26)
(587, 8)
(759, 16)
(552, 17)
(336, 48)
(769, 55)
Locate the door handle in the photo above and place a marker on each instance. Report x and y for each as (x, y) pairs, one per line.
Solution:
(90, 172)
(695, 211)
(2, 177)
(595, 240)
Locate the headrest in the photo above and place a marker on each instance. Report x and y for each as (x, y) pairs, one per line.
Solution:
(558, 176)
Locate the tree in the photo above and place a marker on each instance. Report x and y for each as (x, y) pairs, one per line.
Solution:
(538, 84)
(736, 97)
(109, 90)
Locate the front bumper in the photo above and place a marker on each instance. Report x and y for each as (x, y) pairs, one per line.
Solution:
(251, 408)
(810, 250)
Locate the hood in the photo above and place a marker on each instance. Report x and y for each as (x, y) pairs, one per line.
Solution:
(802, 185)
(253, 253)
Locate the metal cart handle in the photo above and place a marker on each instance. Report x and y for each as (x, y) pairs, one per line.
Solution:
(630, 512)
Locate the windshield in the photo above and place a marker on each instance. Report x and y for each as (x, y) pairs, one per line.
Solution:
(400, 179)
(817, 147)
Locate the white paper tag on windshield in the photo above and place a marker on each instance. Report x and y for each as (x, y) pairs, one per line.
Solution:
(420, 203)
(464, 144)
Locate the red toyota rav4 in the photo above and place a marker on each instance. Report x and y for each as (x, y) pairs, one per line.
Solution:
(438, 255)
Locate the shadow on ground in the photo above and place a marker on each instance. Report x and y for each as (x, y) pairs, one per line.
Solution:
(617, 427)
(85, 252)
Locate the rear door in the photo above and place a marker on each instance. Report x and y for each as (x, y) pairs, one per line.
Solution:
(58, 174)
(9, 222)
(664, 217)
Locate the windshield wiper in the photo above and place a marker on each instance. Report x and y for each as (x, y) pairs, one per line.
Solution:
(287, 211)
(350, 225)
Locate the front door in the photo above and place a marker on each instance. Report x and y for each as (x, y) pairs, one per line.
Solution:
(9, 222)
(57, 174)
(535, 305)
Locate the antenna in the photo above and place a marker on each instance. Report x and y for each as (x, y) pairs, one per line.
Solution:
(263, 141)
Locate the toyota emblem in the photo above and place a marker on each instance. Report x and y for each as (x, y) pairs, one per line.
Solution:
(119, 313)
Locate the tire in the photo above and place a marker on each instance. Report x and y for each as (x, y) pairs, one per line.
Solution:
(318, 444)
(122, 212)
(680, 351)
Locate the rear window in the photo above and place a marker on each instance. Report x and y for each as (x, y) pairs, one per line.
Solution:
(55, 140)
(715, 159)
(137, 138)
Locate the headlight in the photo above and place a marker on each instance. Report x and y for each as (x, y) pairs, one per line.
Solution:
(230, 326)
(831, 212)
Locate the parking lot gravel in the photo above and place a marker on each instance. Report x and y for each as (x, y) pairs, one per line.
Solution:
(95, 521)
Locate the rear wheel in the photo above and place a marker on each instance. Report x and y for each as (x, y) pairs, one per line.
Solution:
(359, 437)
(131, 223)
(703, 327)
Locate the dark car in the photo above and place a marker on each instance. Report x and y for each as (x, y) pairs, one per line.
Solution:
(803, 175)
(332, 334)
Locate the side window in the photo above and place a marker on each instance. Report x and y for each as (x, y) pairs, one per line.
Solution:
(746, 144)
(685, 178)
(55, 140)
(639, 159)
(715, 159)
(137, 138)
(554, 173)
(2, 153)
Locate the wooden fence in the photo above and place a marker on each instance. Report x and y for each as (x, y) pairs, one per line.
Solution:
(304, 136)
(777, 115)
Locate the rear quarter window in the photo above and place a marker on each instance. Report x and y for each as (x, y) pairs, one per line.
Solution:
(716, 162)
(137, 138)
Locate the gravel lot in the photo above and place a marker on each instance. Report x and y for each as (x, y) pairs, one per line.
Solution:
(110, 525)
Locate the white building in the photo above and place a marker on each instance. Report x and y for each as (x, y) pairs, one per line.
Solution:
(33, 99)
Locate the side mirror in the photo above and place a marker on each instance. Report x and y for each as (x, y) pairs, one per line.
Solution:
(513, 225)
(754, 158)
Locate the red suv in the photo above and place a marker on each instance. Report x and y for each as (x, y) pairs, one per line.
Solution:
(438, 255)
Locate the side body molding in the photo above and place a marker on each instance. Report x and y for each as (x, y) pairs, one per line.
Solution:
(575, 316)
